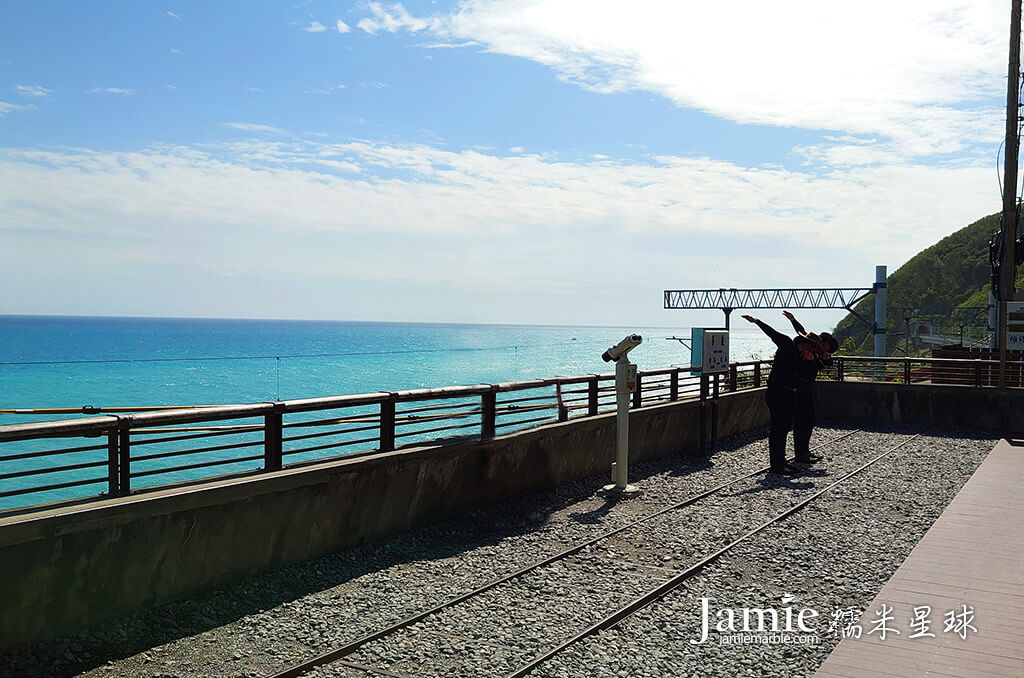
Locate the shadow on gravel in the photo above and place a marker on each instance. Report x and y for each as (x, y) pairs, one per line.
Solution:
(701, 463)
(704, 461)
(485, 526)
(772, 482)
(814, 473)
(596, 516)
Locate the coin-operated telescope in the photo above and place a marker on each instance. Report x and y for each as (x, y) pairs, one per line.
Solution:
(621, 349)
(625, 384)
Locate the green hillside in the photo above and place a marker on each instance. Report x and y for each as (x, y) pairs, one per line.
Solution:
(953, 273)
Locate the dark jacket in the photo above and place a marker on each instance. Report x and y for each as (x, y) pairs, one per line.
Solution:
(786, 366)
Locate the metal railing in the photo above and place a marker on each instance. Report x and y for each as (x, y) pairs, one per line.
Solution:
(950, 371)
(115, 455)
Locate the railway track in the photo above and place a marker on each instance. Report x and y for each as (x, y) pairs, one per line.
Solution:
(562, 570)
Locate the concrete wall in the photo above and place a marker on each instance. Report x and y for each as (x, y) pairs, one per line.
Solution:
(988, 409)
(68, 567)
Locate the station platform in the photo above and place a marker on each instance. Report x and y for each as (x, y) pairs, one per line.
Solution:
(968, 571)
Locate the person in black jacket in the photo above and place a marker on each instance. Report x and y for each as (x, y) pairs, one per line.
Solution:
(804, 416)
(782, 391)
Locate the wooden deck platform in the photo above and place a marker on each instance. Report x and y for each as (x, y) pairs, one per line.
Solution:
(972, 556)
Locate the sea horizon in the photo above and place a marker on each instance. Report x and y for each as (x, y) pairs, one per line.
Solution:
(76, 364)
(66, 361)
(327, 320)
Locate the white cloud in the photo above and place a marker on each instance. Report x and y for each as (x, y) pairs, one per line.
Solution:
(251, 127)
(112, 90)
(33, 90)
(315, 27)
(325, 90)
(342, 27)
(175, 50)
(396, 18)
(7, 107)
(926, 75)
(172, 15)
(665, 214)
(448, 45)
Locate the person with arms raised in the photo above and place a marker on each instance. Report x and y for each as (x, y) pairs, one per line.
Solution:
(804, 417)
(781, 392)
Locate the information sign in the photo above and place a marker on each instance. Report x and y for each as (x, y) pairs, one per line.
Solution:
(709, 352)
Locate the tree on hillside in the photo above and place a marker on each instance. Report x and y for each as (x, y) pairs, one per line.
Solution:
(953, 273)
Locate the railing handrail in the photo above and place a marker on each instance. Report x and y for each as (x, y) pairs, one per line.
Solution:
(383, 421)
(380, 419)
(944, 361)
(197, 414)
(86, 426)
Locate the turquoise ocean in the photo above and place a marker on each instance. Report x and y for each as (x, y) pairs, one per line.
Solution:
(71, 362)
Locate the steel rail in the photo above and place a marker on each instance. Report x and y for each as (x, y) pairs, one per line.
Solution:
(339, 653)
(332, 432)
(506, 424)
(50, 453)
(189, 467)
(371, 669)
(659, 592)
(331, 446)
(58, 486)
(437, 429)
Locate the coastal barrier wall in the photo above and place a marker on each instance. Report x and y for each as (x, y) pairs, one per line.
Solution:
(67, 567)
(988, 409)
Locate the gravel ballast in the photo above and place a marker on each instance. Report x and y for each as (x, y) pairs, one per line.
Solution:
(837, 552)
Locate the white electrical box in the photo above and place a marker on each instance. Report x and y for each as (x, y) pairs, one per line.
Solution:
(709, 350)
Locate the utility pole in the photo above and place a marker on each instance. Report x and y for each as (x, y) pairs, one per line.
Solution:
(1007, 265)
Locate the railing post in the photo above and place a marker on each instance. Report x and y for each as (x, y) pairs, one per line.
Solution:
(272, 434)
(839, 369)
(124, 457)
(637, 395)
(488, 413)
(387, 424)
(563, 409)
(112, 485)
(592, 401)
(673, 386)
(714, 413)
(757, 374)
(702, 427)
(906, 370)
(977, 373)
(733, 376)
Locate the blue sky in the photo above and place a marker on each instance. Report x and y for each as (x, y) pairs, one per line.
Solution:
(484, 160)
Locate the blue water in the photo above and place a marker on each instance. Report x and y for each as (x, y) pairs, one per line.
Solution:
(68, 362)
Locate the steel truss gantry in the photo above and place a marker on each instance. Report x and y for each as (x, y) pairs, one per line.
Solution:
(729, 299)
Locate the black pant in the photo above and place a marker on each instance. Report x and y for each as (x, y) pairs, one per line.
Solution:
(803, 423)
(781, 410)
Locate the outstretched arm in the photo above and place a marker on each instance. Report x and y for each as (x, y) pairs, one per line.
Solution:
(797, 327)
(779, 338)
